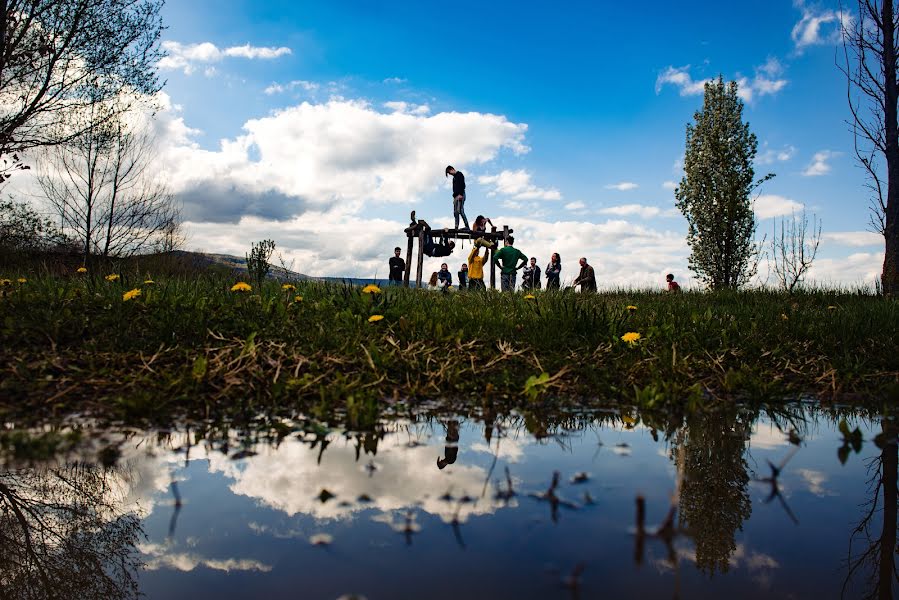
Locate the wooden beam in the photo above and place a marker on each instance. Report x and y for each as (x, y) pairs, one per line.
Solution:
(492, 266)
(421, 257)
(409, 245)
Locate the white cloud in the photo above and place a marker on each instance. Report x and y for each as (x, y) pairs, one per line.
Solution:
(408, 108)
(817, 26)
(815, 482)
(277, 88)
(769, 155)
(161, 557)
(856, 239)
(577, 205)
(641, 210)
(184, 57)
(669, 185)
(772, 205)
(861, 268)
(517, 185)
(395, 80)
(680, 78)
(766, 81)
(819, 165)
(624, 186)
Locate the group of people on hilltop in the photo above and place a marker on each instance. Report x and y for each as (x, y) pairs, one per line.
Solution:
(508, 258)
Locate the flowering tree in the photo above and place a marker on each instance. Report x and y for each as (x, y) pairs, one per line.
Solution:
(715, 192)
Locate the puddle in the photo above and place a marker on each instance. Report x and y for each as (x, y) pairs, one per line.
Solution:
(742, 505)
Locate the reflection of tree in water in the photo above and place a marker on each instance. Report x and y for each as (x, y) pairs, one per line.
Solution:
(65, 534)
(714, 501)
(878, 559)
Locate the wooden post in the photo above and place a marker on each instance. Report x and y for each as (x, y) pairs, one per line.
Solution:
(421, 256)
(492, 266)
(408, 260)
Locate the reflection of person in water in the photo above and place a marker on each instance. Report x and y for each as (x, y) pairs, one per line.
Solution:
(451, 450)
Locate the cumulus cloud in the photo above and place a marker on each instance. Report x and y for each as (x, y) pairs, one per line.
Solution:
(278, 88)
(856, 239)
(772, 205)
(680, 78)
(185, 57)
(640, 210)
(408, 108)
(624, 186)
(769, 156)
(819, 165)
(861, 268)
(162, 557)
(576, 205)
(766, 81)
(817, 26)
(669, 185)
(517, 185)
(341, 155)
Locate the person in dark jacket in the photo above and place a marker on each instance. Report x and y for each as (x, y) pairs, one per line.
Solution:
(444, 277)
(444, 248)
(458, 195)
(397, 267)
(530, 277)
(587, 277)
(553, 271)
(463, 276)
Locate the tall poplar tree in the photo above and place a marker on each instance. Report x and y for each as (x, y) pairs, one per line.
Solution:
(715, 192)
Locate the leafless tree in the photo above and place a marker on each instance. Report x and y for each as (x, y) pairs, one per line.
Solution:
(101, 186)
(58, 57)
(870, 65)
(793, 249)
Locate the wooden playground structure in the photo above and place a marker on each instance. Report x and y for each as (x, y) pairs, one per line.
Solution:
(417, 230)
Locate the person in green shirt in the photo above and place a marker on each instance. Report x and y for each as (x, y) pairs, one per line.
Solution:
(506, 257)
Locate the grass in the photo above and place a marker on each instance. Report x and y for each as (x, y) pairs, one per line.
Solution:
(190, 346)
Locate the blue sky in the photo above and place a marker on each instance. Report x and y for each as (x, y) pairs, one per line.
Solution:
(568, 120)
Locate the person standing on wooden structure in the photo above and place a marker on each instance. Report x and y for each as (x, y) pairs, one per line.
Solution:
(507, 257)
(458, 195)
(587, 277)
(397, 267)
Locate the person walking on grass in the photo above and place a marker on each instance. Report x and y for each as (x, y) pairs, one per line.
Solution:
(476, 269)
(458, 195)
(553, 271)
(507, 258)
(587, 278)
(673, 286)
(463, 276)
(397, 267)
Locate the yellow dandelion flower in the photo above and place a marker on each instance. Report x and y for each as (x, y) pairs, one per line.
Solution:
(831, 308)
(22, 280)
(631, 337)
(375, 318)
(529, 297)
(81, 270)
(631, 307)
(130, 295)
(371, 289)
(5, 282)
(287, 287)
(240, 286)
(297, 298)
(149, 282)
(784, 317)
(112, 277)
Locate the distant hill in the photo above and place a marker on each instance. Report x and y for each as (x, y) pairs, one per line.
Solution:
(239, 265)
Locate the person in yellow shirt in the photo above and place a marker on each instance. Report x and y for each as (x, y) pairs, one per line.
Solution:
(476, 269)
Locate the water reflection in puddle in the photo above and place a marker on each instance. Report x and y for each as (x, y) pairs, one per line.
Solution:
(743, 504)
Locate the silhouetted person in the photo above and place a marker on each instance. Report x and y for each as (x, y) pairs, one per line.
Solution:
(397, 267)
(458, 195)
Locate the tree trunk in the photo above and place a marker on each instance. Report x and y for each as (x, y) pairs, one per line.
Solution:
(890, 275)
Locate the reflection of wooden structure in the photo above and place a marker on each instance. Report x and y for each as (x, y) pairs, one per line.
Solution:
(416, 230)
